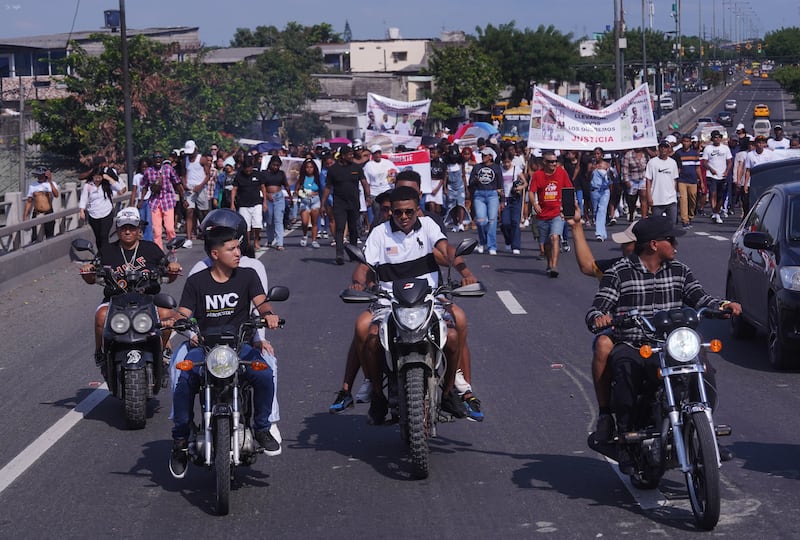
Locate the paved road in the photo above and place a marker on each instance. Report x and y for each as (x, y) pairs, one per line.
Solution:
(525, 471)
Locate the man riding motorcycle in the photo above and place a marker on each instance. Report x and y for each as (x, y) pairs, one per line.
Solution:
(403, 247)
(130, 252)
(650, 280)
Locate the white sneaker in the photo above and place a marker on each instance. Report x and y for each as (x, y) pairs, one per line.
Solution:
(187, 244)
(526, 223)
(315, 244)
(461, 385)
(365, 392)
(455, 228)
(717, 218)
(304, 241)
(515, 251)
(460, 227)
(479, 249)
(492, 252)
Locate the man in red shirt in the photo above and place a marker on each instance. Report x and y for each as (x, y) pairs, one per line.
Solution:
(547, 184)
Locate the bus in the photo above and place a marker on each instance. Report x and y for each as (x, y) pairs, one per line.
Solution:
(516, 123)
(498, 109)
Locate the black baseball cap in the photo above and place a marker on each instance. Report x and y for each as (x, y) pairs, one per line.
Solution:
(655, 228)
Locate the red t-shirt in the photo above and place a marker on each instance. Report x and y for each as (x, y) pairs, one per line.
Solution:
(548, 189)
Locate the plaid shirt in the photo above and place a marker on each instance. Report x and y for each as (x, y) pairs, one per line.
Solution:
(166, 199)
(629, 285)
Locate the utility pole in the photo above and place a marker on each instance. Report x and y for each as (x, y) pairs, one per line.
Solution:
(126, 95)
(644, 48)
(21, 138)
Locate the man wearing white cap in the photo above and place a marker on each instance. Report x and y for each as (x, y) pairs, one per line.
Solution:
(778, 142)
(195, 180)
(377, 172)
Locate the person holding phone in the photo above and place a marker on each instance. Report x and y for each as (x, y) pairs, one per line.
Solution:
(547, 184)
(514, 185)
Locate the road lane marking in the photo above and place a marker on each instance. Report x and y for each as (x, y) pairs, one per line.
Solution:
(648, 499)
(720, 238)
(511, 303)
(46, 440)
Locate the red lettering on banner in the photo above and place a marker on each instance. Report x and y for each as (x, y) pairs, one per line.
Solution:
(593, 139)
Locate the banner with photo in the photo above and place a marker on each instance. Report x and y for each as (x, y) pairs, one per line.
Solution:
(390, 122)
(559, 124)
(418, 160)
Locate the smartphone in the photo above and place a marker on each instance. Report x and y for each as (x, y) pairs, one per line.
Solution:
(568, 202)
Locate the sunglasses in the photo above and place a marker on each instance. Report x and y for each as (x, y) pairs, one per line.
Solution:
(400, 212)
(551, 161)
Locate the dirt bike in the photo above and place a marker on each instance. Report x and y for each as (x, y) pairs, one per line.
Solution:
(413, 334)
(132, 344)
(224, 439)
(673, 422)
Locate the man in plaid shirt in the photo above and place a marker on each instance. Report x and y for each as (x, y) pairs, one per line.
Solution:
(650, 280)
(164, 185)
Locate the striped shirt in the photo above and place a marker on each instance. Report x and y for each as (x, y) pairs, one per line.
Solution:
(404, 256)
(629, 285)
(688, 161)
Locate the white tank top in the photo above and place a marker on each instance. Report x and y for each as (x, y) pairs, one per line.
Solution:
(195, 173)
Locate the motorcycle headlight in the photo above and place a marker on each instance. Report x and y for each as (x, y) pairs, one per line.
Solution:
(412, 317)
(142, 323)
(222, 361)
(790, 276)
(120, 323)
(683, 345)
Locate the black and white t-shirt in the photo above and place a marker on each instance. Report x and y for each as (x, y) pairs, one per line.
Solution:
(221, 307)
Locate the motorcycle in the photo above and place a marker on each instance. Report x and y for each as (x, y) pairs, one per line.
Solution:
(132, 344)
(673, 422)
(413, 335)
(224, 439)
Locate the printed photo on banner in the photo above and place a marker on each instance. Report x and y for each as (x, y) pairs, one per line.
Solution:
(418, 160)
(392, 122)
(559, 124)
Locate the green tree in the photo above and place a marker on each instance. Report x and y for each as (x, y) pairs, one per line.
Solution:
(529, 55)
(171, 101)
(463, 75)
(783, 45)
(269, 36)
(789, 78)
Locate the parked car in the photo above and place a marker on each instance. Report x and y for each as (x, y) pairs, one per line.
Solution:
(730, 105)
(761, 126)
(764, 273)
(760, 111)
(725, 118)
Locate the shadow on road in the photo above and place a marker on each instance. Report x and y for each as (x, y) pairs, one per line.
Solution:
(775, 459)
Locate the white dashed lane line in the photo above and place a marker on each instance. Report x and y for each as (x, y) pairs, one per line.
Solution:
(712, 236)
(508, 300)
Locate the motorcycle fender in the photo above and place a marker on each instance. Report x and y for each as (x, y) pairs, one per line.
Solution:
(222, 409)
(428, 364)
(442, 333)
(383, 334)
(130, 359)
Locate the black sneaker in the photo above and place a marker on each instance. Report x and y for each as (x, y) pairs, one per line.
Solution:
(605, 428)
(378, 407)
(268, 443)
(340, 261)
(344, 400)
(473, 407)
(179, 458)
(452, 404)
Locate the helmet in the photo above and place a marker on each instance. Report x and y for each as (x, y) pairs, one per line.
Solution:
(225, 217)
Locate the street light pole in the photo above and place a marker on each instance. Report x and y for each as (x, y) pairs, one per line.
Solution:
(644, 48)
(126, 95)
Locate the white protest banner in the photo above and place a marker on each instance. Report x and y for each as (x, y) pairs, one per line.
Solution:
(418, 160)
(395, 122)
(560, 124)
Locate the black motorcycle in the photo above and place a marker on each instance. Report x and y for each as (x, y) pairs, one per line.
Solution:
(132, 346)
(413, 335)
(673, 422)
(224, 439)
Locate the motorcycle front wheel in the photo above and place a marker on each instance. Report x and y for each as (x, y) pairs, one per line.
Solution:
(135, 398)
(222, 463)
(417, 421)
(703, 479)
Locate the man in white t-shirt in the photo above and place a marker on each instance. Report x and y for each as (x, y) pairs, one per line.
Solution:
(403, 127)
(717, 160)
(377, 170)
(660, 175)
(778, 142)
(759, 155)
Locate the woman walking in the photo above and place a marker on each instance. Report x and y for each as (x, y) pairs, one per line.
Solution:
(96, 204)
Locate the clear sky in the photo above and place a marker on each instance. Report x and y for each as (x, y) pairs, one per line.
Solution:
(369, 19)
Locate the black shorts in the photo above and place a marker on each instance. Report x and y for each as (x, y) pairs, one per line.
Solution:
(716, 185)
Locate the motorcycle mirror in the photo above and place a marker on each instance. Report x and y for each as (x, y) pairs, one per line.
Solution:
(355, 254)
(278, 293)
(165, 301)
(466, 246)
(176, 243)
(82, 244)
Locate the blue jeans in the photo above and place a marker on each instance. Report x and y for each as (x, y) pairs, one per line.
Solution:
(509, 222)
(144, 215)
(600, 206)
(274, 219)
(189, 384)
(486, 203)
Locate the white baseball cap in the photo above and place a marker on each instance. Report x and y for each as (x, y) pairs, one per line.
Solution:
(375, 148)
(190, 147)
(127, 216)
